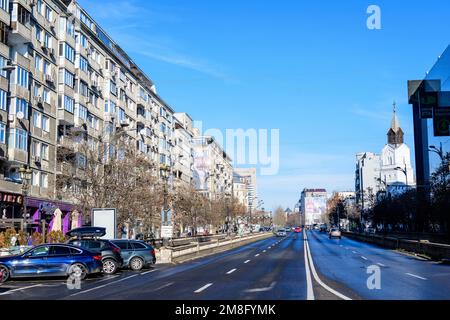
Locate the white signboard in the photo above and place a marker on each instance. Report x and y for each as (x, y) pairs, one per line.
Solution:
(105, 218)
(166, 232)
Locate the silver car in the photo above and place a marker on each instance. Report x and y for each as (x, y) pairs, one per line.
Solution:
(335, 233)
(136, 254)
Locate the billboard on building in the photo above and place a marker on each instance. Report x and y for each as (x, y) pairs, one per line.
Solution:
(201, 169)
(315, 208)
(105, 218)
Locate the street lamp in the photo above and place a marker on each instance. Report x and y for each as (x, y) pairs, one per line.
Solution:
(165, 174)
(439, 151)
(405, 172)
(25, 175)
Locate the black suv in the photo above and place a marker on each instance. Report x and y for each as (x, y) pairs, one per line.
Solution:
(87, 238)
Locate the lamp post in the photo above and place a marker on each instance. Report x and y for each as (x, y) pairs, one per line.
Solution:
(440, 152)
(8, 69)
(25, 175)
(165, 174)
(405, 172)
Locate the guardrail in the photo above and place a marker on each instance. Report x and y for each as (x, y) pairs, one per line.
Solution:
(201, 246)
(433, 250)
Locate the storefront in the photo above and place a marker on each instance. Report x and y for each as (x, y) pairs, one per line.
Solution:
(11, 205)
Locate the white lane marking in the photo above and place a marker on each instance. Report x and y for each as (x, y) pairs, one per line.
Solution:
(256, 254)
(309, 288)
(341, 245)
(264, 250)
(231, 271)
(148, 272)
(164, 286)
(19, 289)
(203, 288)
(272, 285)
(354, 251)
(102, 286)
(316, 277)
(416, 276)
(363, 257)
(247, 261)
(381, 265)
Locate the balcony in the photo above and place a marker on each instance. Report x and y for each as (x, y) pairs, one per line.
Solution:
(21, 25)
(65, 117)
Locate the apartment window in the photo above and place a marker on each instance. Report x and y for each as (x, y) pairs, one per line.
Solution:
(36, 90)
(70, 28)
(23, 16)
(44, 151)
(4, 4)
(40, 7)
(142, 146)
(20, 139)
(67, 51)
(38, 33)
(44, 180)
(113, 88)
(67, 78)
(82, 112)
(38, 62)
(22, 106)
(47, 67)
(3, 100)
(85, 19)
(93, 99)
(22, 77)
(3, 33)
(82, 39)
(3, 62)
(68, 104)
(84, 91)
(122, 114)
(83, 64)
(110, 107)
(48, 14)
(46, 95)
(37, 119)
(35, 179)
(45, 123)
(2, 132)
(47, 40)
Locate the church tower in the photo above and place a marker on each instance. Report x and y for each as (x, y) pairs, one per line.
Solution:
(396, 170)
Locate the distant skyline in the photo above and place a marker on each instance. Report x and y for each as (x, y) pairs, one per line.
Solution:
(311, 69)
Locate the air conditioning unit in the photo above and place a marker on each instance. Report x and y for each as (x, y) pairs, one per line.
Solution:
(49, 78)
(37, 159)
(39, 99)
(125, 122)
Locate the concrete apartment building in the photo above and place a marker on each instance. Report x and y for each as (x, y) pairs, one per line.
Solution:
(246, 177)
(63, 82)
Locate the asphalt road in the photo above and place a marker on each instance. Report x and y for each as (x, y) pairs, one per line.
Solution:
(270, 269)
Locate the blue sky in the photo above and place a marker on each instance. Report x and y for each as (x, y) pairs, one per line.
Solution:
(309, 68)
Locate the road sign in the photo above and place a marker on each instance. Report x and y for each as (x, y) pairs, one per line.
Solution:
(166, 232)
(441, 122)
(428, 101)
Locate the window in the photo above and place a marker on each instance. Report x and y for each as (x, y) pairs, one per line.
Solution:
(40, 7)
(3, 33)
(22, 77)
(22, 106)
(44, 151)
(113, 88)
(38, 62)
(3, 62)
(60, 251)
(47, 67)
(48, 14)
(45, 123)
(40, 252)
(122, 115)
(82, 112)
(46, 95)
(85, 20)
(3, 100)
(2, 132)
(68, 52)
(110, 107)
(44, 180)
(38, 33)
(83, 64)
(67, 78)
(21, 139)
(68, 104)
(23, 16)
(37, 119)
(84, 91)
(70, 28)
(47, 40)
(4, 4)
(82, 39)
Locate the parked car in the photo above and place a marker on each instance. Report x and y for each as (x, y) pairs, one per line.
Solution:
(135, 254)
(335, 233)
(51, 260)
(281, 233)
(87, 238)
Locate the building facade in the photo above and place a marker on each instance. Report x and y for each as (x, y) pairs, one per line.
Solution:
(313, 206)
(247, 176)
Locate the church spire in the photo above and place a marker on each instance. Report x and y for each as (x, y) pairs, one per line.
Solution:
(395, 133)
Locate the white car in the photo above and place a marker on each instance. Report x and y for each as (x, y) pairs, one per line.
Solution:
(335, 233)
(281, 233)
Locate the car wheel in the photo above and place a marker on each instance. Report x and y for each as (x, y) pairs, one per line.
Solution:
(109, 266)
(78, 271)
(136, 264)
(4, 274)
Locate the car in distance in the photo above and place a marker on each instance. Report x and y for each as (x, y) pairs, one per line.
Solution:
(281, 233)
(87, 238)
(335, 233)
(323, 227)
(135, 254)
(48, 260)
(297, 229)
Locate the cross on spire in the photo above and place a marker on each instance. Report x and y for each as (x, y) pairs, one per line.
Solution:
(394, 105)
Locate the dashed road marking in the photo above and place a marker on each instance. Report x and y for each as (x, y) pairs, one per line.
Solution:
(256, 254)
(354, 251)
(380, 264)
(102, 286)
(19, 289)
(247, 261)
(363, 257)
(231, 271)
(148, 271)
(416, 276)
(203, 288)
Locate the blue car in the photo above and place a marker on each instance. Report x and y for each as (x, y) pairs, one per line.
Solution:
(48, 260)
(136, 254)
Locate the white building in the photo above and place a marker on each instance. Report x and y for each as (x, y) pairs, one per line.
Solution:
(183, 149)
(367, 178)
(248, 176)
